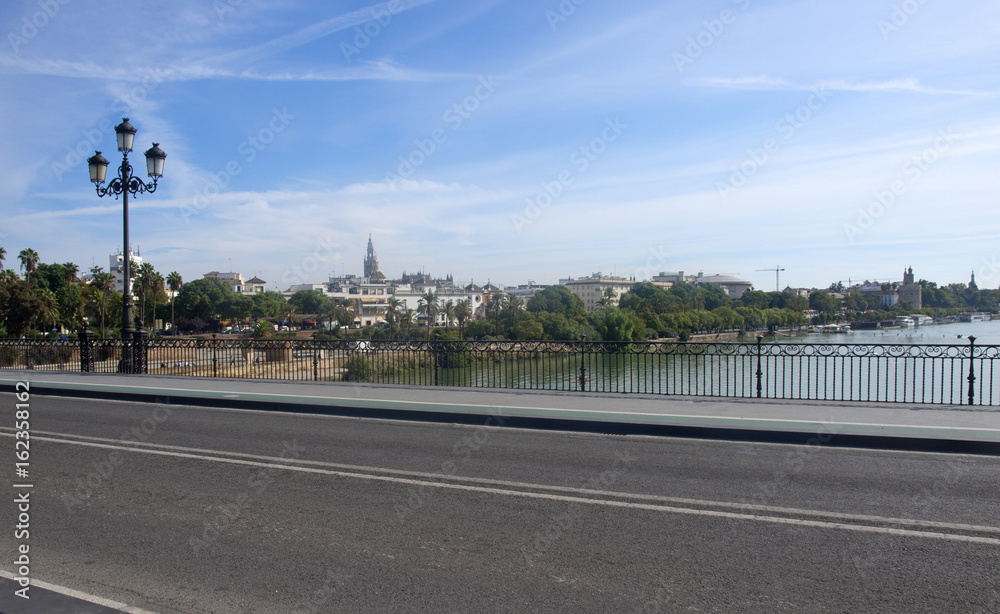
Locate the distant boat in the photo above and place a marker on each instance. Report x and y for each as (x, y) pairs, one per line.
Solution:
(833, 329)
(905, 322)
(976, 316)
(921, 320)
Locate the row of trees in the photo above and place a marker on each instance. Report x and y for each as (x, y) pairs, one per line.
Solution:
(51, 296)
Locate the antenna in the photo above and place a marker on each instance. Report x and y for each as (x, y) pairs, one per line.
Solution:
(777, 271)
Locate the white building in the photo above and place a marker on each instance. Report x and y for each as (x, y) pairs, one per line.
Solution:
(734, 286)
(116, 266)
(591, 289)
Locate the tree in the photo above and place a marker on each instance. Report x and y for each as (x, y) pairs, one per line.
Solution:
(267, 304)
(428, 306)
(557, 299)
(148, 283)
(608, 298)
(823, 302)
(449, 311)
(174, 282)
(19, 304)
(3, 256)
(309, 301)
(29, 258)
(202, 298)
(463, 311)
(48, 309)
(103, 285)
(392, 311)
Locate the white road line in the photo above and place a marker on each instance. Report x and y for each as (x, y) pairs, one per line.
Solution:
(69, 592)
(282, 464)
(748, 507)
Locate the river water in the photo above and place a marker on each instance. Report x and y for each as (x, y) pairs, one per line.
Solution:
(986, 333)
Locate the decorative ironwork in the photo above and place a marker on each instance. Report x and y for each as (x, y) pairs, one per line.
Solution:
(942, 374)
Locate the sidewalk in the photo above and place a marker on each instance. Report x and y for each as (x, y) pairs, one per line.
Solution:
(955, 428)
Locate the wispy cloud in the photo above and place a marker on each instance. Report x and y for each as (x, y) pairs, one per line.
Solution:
(762, 82)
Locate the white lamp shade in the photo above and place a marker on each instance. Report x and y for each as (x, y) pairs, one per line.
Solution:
(125, 133)
(155, 157)
(98, 167)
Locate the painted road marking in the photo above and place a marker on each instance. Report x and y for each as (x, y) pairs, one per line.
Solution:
(829, 520)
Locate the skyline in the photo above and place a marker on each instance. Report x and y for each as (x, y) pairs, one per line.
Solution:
(522, 141)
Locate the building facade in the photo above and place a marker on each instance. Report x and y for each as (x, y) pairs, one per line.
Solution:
(592, 290)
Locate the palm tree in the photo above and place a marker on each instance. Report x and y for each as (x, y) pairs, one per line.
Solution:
(463, 311)
(449, 311)
(514, 304)
(48, 309)
(609, 298)
(3, 255)
(428, 305)
(406, 318)
(70, 270)
(28, 258)
(493, 307)
(174, 282)
(145, 281)
(392, 311)
(105, 285)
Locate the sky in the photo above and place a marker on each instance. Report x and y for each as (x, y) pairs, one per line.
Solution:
(511, 141)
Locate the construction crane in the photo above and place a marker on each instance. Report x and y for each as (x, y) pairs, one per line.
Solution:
(777, 271)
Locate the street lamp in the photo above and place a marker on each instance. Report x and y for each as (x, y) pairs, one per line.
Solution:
(124, 184)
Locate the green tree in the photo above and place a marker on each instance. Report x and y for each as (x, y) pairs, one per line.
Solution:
(29, 258)
(824, 302)
(557, 299)
(268, 304)
(19, 304)
(202, 298)
(174, 282)
(428, 305)
(463, 311)
(309, 301)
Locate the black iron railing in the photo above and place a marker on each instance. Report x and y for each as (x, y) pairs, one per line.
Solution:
(941, 374)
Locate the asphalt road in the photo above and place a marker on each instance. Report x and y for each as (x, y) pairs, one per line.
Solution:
(171, 508)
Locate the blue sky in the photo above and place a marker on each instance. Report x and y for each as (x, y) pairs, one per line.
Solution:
(512, 141)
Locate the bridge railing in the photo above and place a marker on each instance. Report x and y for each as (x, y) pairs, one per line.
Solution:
(893, 373)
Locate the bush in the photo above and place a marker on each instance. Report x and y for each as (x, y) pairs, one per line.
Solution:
(359, 369)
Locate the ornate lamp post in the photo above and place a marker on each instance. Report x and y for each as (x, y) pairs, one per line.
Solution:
(124, 184)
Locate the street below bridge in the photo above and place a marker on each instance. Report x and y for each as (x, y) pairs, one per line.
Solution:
(171, 508)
